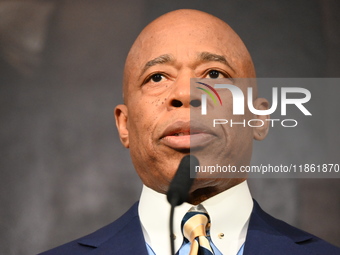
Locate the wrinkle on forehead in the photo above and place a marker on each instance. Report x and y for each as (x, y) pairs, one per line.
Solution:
(192, 21)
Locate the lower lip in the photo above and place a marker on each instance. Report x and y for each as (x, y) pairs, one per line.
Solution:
(187, 141)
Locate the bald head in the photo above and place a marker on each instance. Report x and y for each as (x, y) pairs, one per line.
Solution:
(185, 32)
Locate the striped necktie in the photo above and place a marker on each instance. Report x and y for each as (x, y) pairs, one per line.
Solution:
(195, 229)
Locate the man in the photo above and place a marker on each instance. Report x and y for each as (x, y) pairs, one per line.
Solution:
(156, 125)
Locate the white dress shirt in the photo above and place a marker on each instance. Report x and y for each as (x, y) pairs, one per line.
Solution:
(229, 213)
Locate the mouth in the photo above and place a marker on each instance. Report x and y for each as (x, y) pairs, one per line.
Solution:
(184, 135)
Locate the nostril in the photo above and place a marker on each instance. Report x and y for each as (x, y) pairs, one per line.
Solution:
(195, 103)
(176, 103)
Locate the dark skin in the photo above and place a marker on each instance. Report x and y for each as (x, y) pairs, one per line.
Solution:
(180, 45)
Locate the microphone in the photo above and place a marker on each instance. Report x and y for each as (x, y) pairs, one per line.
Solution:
(180, 185)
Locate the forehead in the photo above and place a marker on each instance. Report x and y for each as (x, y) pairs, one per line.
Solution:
(182, 39)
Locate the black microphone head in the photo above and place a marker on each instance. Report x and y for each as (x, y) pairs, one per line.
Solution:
(181, 183)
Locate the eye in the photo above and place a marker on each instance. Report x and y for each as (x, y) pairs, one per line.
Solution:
(157, 77)
(214, 74)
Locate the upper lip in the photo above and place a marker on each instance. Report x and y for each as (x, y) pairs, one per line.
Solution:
(187, 128)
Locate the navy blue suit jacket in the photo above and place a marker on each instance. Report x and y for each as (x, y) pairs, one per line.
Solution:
(266, 235)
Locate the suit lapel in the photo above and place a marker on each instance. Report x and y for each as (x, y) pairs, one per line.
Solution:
(123, 237)
(267, 235)
(128, 241)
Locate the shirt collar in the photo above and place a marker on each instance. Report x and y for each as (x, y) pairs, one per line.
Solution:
(229, 212)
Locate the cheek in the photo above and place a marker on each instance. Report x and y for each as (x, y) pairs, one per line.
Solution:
(241, 142)
(143, 118)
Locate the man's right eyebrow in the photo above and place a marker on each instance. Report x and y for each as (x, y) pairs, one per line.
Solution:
(162, 59)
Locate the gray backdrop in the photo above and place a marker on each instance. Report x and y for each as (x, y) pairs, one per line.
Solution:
(64, 172)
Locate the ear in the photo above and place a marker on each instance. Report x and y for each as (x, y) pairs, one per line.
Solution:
(260, 132)
(121, 116)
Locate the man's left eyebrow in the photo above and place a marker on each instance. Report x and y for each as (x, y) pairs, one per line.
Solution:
(208, 56)
(162, 59)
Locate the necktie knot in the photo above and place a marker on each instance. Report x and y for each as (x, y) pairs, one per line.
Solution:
(195, 224)
(195, 229)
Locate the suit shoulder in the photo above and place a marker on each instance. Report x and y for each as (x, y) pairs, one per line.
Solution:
(93, 240)
(273, 234)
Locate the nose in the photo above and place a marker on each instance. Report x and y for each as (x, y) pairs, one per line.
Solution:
(183, 94)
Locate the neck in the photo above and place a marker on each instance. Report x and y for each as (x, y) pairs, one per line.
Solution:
(199, 195)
